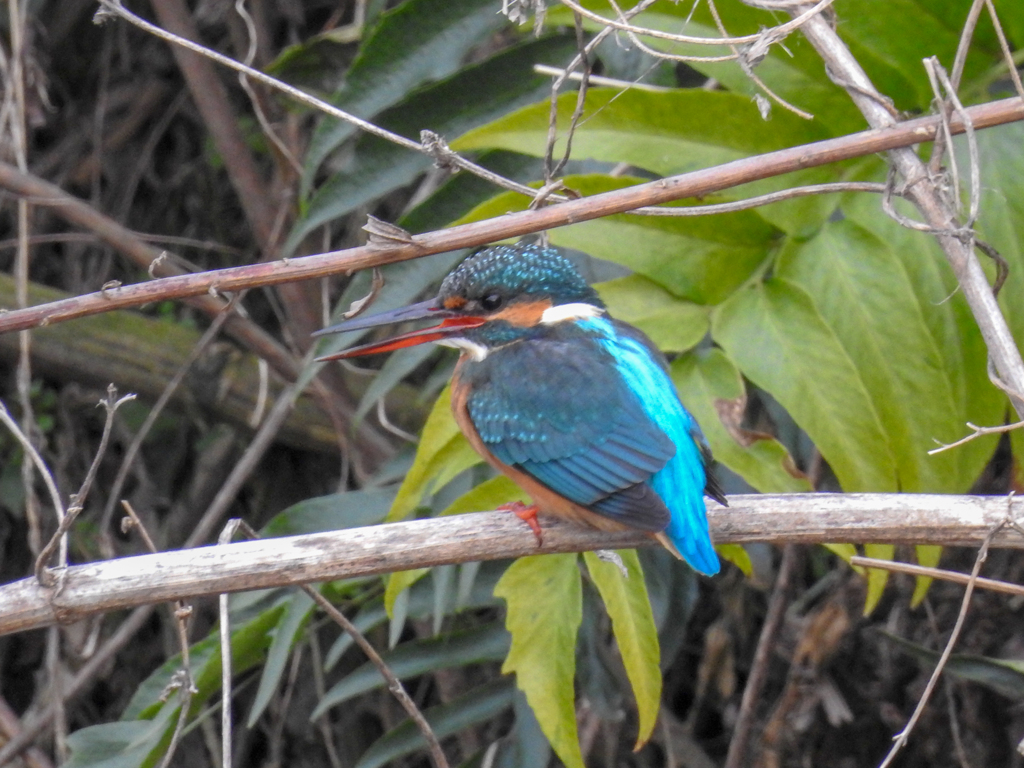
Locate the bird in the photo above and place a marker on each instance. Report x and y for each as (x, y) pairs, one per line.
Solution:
(575, 407)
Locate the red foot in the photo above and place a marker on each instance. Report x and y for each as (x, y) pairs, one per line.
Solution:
(528, 514)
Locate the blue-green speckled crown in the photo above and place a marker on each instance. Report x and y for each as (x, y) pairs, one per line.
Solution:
(521, 271)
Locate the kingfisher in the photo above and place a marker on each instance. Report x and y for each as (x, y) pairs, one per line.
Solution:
(575, 407)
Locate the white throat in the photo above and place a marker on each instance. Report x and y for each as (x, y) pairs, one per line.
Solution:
(562, 312)
(476, 352)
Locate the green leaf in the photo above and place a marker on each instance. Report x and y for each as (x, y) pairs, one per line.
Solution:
(1001, 221)
(721, 252)
(778, 339)
(846, 551)
(877, 577)
(475, 646)
(928, 555)
(737, 555)
(419, 605)
(708, 380)
(1005, 677)
(625, 598)
(398, 365)
(891, 44)
(248, 645)
(352, 509)
(478, 706)
(464, 191)
(414, 43)
(959, 345)
(667, 133)
(1017, 446)
(471, 97)
(125, 744)
(866, 296)
(673, 325)
(545, 606)
(442, 454)
(398, 582)
(297, 613)
(489, 495)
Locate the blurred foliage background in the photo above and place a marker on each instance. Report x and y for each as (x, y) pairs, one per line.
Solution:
(821, 346)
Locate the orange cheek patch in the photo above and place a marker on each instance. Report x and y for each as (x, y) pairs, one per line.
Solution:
(524, 314)
(454, 302)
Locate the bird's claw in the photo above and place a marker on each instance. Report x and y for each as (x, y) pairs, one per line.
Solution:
(528, 514)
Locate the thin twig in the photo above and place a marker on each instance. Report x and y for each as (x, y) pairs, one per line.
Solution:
(901, 738)
(115, 8)
(762, 655)
(978, 432)
(963, 46)
(182, 680)
(1005, 48)
(779, 32)
(261, 117)
(750, 57)
(933, 67)
(610, 82)
(8, 421)
(766, 199)
(394, 684)
(911, 569)
(954, 721)
(323, 723)
(56, 690)
(16, 119)
(225, 655)
(552, 170)
(59, 538)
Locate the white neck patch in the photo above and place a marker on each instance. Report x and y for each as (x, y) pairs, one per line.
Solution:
(476, 352)
(564, 312)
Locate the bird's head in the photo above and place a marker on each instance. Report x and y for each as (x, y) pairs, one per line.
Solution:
(494, 297)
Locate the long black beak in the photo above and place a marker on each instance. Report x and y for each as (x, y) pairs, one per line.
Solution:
(451, 324)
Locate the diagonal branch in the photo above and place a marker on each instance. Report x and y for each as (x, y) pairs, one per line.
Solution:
(937, 213)
(693, 184)
(803, 518)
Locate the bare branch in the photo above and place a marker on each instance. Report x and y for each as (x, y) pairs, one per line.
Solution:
(80, 214)
(692, 184)
(803, 518)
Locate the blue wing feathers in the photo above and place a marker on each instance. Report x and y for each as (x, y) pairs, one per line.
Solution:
(605, 428)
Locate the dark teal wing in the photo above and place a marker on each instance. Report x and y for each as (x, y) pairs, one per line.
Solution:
(559, 410)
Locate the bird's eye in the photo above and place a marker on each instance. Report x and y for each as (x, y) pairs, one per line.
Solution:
(491, 302)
